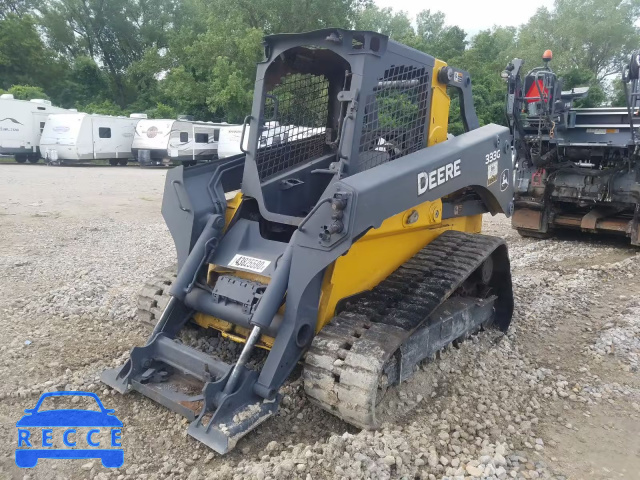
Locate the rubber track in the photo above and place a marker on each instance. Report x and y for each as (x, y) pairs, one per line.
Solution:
(348, 357)
(154, 296)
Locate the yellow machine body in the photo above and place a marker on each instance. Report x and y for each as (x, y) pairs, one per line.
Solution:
(378, 253)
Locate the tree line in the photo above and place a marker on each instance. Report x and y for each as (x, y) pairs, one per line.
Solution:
(169, 57)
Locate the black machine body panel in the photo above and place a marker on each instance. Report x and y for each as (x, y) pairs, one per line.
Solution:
(575, 167)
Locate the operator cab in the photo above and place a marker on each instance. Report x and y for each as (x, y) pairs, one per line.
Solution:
(546, 106)
(542, 89)
(342, 104)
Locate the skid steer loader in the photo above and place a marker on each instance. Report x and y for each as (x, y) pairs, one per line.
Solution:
(352, 245)
(577, 168)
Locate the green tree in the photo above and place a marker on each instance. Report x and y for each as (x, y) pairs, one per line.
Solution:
(24, 59)
(592, 35)
(143, 80)
(212, 58)
(576, 77)
(396, 25)
(618, 96)
(278, 16)
(84, 83)
(198, 56)
(186, 93)
(162, 111)
(114, 33)
(106, 107)
(488, 53)
(436, 38)
(229, 91)
(431, 35)
(26, 92)
(14, 7)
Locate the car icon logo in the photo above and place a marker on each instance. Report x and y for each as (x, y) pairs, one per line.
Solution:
(64, 433)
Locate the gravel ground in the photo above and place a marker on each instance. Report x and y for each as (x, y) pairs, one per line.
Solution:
(558, 397)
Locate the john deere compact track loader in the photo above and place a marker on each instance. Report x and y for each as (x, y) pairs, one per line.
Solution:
(577, 168)
(352, 246)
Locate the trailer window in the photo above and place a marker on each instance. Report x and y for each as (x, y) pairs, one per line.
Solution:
(104, 132)
(216, 134)
(41, 127)
(184, 137)
(202, 138)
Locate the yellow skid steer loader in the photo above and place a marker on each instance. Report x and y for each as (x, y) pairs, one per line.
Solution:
(352, 246)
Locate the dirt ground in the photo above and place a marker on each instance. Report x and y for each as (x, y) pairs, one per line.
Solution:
(558, 397)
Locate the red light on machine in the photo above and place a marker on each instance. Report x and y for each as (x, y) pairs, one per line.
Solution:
(547, 55)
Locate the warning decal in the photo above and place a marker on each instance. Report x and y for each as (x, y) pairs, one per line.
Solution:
(602, 131)
(492, 173)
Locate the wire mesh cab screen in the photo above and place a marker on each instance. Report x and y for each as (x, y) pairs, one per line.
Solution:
(396, 116)
(293, 129)
(298, 127)
(300, 110)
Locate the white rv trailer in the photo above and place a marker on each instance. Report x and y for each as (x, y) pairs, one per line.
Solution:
(272, 134)
(229, 143)
(78, 137)
(166, 141)
(21, 124)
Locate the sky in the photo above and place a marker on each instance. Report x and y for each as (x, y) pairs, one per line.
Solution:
(473, 15)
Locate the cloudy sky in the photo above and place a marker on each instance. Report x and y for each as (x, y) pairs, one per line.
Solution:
(473, 15)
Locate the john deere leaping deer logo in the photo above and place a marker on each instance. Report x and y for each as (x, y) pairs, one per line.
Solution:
(504, 180)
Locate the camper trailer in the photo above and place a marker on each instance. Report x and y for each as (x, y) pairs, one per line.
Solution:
(21, 124)
(162, 142)
(78, 137)
(273, 134)
(229, 143)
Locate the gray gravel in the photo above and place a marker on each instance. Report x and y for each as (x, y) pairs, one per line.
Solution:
(620, 338)
(80, 241)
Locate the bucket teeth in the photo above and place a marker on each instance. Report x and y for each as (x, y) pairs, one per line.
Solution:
(224, 435)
